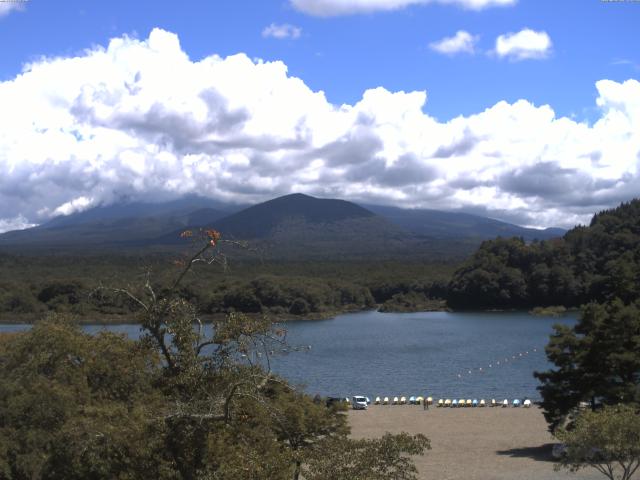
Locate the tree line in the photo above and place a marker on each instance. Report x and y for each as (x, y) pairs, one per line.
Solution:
(598, 262)
(36, 285)
(597, 360)
(179, 403)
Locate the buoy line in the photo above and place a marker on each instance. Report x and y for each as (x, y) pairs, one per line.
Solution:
(498, 363)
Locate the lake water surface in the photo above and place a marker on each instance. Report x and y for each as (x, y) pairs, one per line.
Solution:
(445, 355)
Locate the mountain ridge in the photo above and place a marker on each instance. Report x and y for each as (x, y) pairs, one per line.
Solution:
(292, 223)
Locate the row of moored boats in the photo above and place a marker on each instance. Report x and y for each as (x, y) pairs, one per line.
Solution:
(452, 403)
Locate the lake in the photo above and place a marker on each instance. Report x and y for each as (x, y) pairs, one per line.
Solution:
(441, 354)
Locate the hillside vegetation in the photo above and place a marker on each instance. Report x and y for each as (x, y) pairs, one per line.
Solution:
(34, 285)
(598, 262)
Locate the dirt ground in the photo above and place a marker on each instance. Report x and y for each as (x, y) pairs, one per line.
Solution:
(472, 443)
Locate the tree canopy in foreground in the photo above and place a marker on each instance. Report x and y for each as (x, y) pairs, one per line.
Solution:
(607, 440)
(189, 400)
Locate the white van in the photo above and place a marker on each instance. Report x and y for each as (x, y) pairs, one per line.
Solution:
(359, 402)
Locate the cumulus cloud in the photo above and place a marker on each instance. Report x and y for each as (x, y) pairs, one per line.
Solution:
(282, 31)
(461, 42)
(332, 8)
(523, 45)
(7, 7)
(139, 120)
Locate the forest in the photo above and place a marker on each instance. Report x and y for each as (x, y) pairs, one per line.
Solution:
(598, 262)
(178, 403)
(34, 285)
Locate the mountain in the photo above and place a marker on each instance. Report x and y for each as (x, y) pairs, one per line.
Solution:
(299, 226)
(117, 225)
(293, 226)
(441, 224)
(267, 218)
(133, 210)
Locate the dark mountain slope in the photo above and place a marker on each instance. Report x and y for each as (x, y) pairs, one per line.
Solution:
(440, 224)
(293, 226)
(129, 210)
(262, 220)
(303, 227)
(114, 226)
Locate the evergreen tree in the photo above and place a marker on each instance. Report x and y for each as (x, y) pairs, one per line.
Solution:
(598, 361)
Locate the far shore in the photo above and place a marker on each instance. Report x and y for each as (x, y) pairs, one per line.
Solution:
(130, 319)
(471, 443)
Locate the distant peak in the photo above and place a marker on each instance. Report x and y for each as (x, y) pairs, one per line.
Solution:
(296, 195)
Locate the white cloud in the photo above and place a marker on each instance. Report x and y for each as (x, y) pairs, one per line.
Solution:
(76, 205)
(7, 7)
(282, 31)
(523, 45)
(461, 42)
(140, 120)
(330, 8)
(16, 223)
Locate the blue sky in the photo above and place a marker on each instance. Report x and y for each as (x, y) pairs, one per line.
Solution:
(343, 56)
(568, 149)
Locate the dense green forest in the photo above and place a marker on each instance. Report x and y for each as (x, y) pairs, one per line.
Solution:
(177, 403)
(31, 286)
(598, 262)
(597, 360)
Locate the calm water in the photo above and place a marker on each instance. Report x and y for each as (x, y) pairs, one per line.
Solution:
(448, 355)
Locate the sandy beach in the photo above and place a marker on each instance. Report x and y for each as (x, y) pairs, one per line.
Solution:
(472, 443)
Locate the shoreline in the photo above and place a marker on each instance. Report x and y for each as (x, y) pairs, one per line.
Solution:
(30, 319)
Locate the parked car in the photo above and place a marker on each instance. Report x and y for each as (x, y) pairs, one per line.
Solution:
(359, 402)
(335, 401)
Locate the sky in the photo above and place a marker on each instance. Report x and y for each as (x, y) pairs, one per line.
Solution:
(523, 110)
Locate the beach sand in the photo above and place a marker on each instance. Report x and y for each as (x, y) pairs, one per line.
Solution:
(472, 443)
